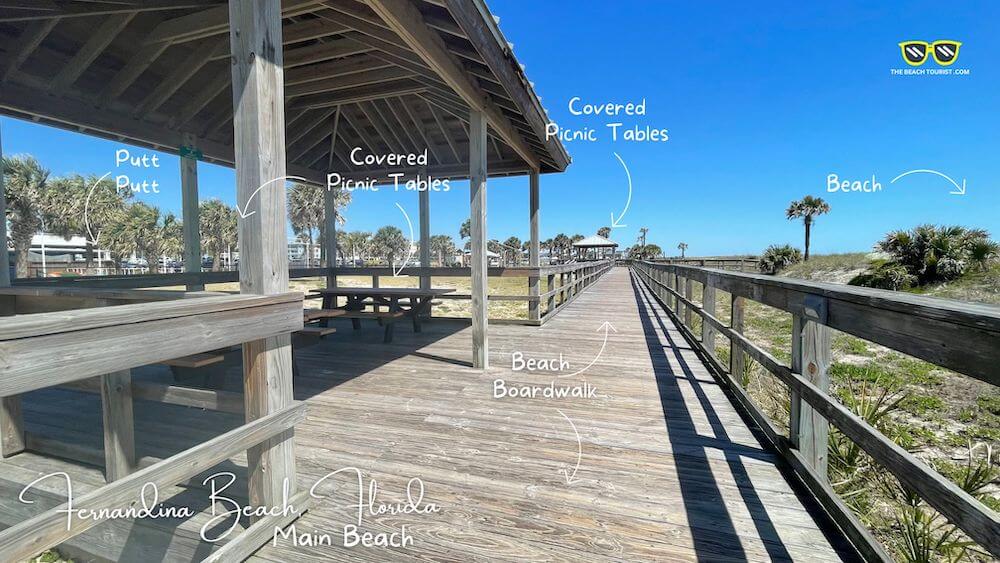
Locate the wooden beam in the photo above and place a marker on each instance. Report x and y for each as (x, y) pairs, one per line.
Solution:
(130, 72)
(394, 131)
(353, 80)
(259, 118)
(533, 206)
(95, 45)
(383, 129)
(29, 40)
(330, 208)
(358, 95)
(421, 130)
(183, 72)
(534, 310)
(333, 69)
(324, 52)
(403, 18)
(444, 130)
(362, 134)
(477, 208)
(119, 426)
(189, 211)
(424, 197)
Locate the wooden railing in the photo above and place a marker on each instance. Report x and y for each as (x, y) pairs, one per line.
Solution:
(97, 347)
(549, 287)
(734, 263)
(963, 337)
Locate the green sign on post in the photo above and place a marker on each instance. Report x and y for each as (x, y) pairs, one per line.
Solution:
(190, 152)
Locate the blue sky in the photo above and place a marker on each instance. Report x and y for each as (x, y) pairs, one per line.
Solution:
(761, 102)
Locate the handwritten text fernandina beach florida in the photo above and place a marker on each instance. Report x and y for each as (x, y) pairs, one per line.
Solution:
(226, 509)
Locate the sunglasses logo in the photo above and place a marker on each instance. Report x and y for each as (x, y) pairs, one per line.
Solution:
(915, 53)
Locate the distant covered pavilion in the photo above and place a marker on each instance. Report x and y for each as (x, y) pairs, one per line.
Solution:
(594, 247)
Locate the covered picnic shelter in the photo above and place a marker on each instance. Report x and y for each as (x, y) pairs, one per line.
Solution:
(595, 247)
(277, 90)
(385, 76)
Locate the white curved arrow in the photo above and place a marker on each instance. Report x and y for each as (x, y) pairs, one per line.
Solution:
(86, 210)
(243, 212)
(615, 222)
(606, 327)
(579, 452)
(409, 247)
(959, 190)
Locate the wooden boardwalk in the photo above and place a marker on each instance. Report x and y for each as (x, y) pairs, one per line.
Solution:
(668, 469)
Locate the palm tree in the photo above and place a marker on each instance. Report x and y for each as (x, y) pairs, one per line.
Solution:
(465, 231)
(218, 230)
(682, 247)
(306, 210)
(85, 205)
(604, 232)
(807, 208)
(560, 243)
(357, 242)
(513, 247)
(442, 245)
(25, 184)
(389, 243)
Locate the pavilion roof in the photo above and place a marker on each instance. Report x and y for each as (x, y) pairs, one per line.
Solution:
(595, 241)
(390, 76)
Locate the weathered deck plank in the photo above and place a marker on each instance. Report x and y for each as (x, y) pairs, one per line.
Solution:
(668, 468)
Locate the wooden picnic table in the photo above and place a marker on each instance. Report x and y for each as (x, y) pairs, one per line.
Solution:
(418, 303)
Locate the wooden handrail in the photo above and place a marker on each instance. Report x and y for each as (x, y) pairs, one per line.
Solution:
(887, 316)
(49, 528)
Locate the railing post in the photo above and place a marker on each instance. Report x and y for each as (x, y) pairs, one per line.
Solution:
(552, 296)
(679, 279)
(119, 431)
(672, 302)
(689, 295)
(533, 304)
(375, 307)
(708, 305)
(11, 426)
(807, 429)
(737, 358)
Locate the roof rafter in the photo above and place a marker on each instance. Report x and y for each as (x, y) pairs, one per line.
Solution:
(409, 24)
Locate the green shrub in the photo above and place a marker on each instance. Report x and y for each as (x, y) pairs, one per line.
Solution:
(934, 253)
(777, 258)
(886, 275)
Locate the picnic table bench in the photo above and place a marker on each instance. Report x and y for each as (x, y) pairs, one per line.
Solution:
(400, 301)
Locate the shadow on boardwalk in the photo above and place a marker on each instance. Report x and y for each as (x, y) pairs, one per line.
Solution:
(668, 349)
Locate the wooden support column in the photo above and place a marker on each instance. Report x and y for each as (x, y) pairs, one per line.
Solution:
(189, 210)
(707, 330)
(119, 425)
(259, 122)
(477, 204)
(11, 419)
(807, 429)
(330, 214)
(533, 246)
(737, 358)
(425, 233)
